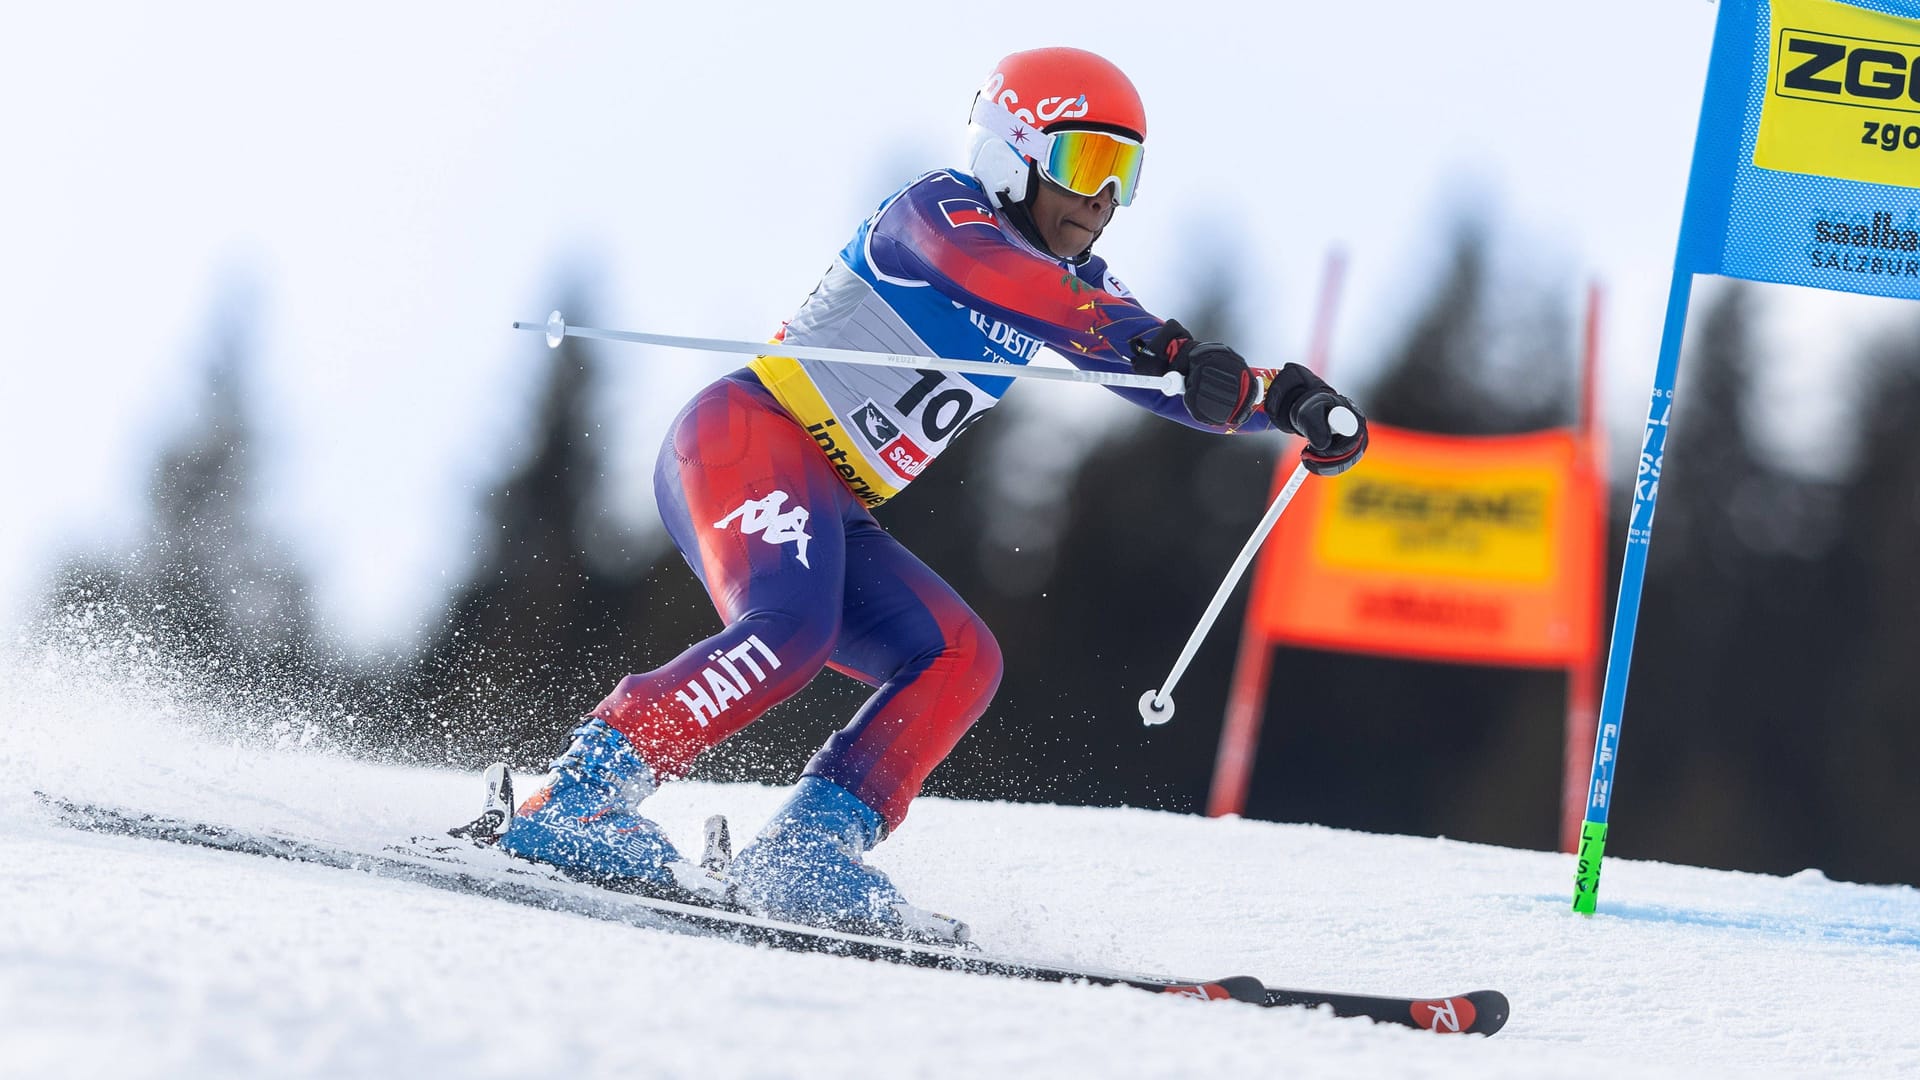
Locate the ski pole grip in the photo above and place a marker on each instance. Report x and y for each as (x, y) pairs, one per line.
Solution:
(1342, 421)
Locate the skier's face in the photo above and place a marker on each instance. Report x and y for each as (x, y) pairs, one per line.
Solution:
(1070, 222)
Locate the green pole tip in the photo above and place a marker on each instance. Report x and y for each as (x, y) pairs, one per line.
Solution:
(1586, 875)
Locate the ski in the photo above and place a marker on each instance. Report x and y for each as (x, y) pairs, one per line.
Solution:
(1480, 1012)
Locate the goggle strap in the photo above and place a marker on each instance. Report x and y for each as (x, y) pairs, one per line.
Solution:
(1027, 140)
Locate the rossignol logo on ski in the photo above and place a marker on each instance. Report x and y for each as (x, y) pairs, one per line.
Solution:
(723, 682)
(764, 516)
(1443, 1015)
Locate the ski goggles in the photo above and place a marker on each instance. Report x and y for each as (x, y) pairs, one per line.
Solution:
(1083, 162)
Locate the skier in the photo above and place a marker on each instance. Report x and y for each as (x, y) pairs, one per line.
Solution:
(767, 480)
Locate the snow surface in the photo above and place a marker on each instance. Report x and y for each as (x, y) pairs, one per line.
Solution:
(131, 958)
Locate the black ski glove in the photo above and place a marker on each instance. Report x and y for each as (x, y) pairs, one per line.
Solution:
(1301, 402)
(1220, 390)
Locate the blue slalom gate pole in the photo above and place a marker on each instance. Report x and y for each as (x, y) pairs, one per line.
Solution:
(1703, 232)
(1626, 615)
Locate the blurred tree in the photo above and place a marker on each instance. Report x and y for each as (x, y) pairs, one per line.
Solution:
(1688, 767)
(1869, 738)
(209, 594)
(1744, 630)
(1476, 361)
(530, 636)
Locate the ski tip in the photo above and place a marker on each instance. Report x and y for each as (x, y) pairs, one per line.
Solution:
(1243, 988)
(1490, 1011)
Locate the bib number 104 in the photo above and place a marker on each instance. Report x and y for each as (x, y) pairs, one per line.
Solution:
(942, 415)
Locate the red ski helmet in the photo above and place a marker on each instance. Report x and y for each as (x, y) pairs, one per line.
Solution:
(1068, 112)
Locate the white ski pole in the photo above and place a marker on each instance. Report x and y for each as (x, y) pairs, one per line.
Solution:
(1171, 384)
(1156, 706)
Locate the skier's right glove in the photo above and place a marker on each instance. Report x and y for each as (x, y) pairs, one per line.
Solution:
(1220, 390)
(1300, 402)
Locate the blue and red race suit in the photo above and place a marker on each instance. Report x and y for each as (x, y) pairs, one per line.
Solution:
(766, 480)
(936, 272)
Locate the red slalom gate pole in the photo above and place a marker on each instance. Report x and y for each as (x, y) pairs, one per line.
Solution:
(1584, 677)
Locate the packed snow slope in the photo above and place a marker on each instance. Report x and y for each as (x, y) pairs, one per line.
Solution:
(130, 958)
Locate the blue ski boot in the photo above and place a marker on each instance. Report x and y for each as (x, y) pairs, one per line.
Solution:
(805, 867)
(584, 821)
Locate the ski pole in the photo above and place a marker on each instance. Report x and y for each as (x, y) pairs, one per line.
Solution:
(1156, 706)
(1171, 384)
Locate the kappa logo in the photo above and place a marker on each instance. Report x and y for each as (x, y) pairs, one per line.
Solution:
(764, 516)
(873, 424)
(721, 682)
(1818, 66)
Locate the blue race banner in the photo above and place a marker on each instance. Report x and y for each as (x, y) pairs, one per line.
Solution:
(1809, 147)
(1805, 171)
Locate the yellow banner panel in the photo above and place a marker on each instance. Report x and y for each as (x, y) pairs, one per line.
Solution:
(1843, 100)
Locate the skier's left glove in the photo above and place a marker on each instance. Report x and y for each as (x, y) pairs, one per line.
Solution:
(1220, 390)
(1300, 402)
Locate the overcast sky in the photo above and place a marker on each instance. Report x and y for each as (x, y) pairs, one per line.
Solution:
(371, 193)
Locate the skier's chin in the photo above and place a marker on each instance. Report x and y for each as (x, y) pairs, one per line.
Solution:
(1071, 232)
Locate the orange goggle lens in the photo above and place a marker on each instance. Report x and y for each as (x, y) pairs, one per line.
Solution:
(1084, 162)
